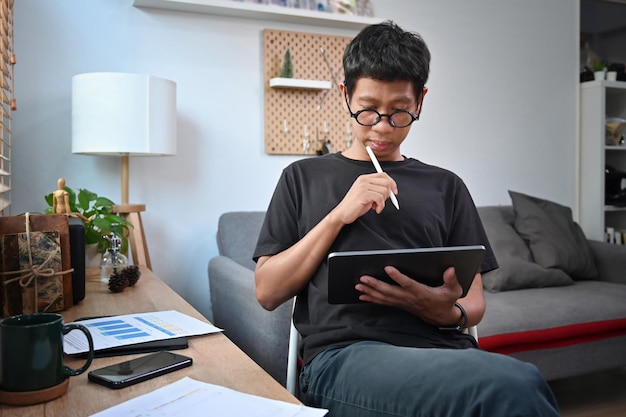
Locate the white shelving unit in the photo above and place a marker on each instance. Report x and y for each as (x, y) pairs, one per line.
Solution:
(279, 82)
(261, 12)
(599, 100)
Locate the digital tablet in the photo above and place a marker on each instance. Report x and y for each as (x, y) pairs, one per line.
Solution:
(425, 265)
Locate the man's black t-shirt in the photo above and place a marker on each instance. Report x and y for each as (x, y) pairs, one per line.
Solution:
(436, 209)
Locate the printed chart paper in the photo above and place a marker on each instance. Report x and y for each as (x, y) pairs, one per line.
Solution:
(129, 329)
(190, 398)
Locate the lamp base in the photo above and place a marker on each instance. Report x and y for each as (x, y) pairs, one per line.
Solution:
(138, 244)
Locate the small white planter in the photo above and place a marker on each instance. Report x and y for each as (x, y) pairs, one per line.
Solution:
(92, 256)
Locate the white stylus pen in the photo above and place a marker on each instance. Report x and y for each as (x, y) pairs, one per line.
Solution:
(392, 196)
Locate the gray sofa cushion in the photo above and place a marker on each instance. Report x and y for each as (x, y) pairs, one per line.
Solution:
(552, 308)
(517, 269)
(553, 237)
(242, 229)
(553, 329)
(515, 274)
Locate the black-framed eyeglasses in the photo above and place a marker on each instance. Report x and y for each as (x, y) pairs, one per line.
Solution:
(369, 117)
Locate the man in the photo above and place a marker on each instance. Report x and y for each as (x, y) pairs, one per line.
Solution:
(400, 351)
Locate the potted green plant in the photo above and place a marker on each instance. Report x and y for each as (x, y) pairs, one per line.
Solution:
(599, 70)
(97, 215)
(286, 71)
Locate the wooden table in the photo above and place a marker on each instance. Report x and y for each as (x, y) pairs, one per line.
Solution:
(216, 359)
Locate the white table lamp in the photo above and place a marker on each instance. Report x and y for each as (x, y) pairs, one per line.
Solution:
(124, 115)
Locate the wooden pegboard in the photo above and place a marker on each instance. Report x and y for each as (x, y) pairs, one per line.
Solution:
(295, 108)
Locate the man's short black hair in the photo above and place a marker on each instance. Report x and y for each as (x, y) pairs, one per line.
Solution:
(387, 52)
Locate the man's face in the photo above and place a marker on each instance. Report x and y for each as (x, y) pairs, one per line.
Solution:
(385, 97)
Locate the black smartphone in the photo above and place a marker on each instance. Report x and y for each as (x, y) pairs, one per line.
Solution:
(140, 369)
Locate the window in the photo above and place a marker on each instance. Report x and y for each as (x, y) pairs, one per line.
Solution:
(7, 102)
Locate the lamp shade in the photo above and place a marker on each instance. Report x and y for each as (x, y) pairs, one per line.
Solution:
(123, 114)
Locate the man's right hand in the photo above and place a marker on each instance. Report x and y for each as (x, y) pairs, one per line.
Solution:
(368, 192)
(281, 276)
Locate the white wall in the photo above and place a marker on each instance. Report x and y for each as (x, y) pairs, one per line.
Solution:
(501, 109)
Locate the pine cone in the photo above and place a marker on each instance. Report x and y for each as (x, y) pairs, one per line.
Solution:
(118, 281)
(132, 273)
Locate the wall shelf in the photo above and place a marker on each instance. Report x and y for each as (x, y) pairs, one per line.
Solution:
(605, 83)
(261, 12)
(300, 83)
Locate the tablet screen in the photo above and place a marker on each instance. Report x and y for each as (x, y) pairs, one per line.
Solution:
(425, 265)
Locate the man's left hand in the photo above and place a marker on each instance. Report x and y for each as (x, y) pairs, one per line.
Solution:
(435, 305)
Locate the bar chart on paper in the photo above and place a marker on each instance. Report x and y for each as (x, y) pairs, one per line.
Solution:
(123, 330)
(108, 332)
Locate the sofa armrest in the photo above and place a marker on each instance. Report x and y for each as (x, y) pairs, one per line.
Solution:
(610, 260)
(263, 335)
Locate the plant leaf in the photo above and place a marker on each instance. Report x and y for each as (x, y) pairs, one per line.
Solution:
(85, 198)
(101, 224)
(91, 236)
(99, 211)
(103, 202)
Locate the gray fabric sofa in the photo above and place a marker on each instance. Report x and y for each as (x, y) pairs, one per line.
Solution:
(564, 328)
(262, 334)
(575, 327)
